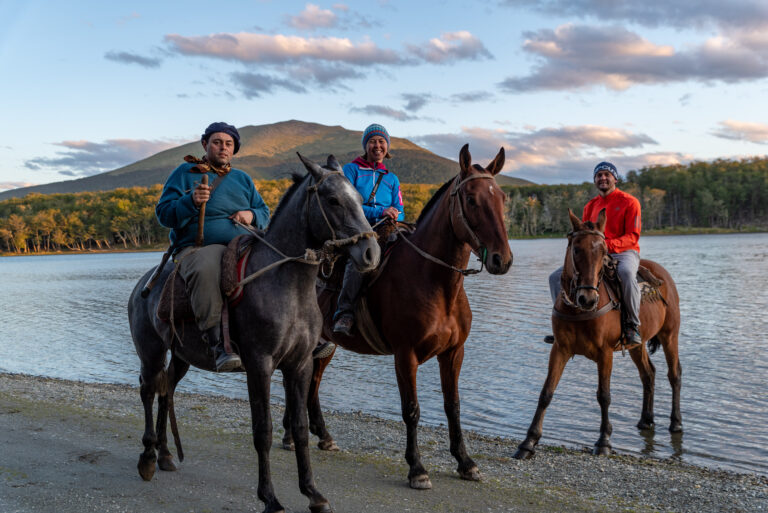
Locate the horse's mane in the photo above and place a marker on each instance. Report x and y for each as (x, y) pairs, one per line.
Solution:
(297, 180)
(433, 200)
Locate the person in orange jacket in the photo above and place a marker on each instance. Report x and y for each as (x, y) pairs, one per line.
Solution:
(622, 232)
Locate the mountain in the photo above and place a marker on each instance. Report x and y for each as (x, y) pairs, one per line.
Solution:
(269, 152)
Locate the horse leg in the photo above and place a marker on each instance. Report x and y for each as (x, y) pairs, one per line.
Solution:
(296, 383)
(405, 368)
(149, 385)
(450, 367)
(557, 361)
(316, 420)
(647, 376)
(604, 368)
(261, 421)
(176, 371)
(674, 374)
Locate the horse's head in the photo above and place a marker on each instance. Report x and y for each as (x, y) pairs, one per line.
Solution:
(335, 214)
(477, 211)
(583, 268)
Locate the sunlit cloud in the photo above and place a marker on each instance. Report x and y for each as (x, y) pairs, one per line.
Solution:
(313, 17)
(5, 186)
(381, 110)
(451, 46)
(86, 158)
(742, 131)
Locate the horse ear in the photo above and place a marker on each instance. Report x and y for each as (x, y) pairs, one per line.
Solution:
(312, 167)
(332, 163)
(601, 220)
(498, 163)
(575, 221)
(465, 159)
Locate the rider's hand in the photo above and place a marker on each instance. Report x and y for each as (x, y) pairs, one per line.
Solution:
(243, 216)
(201, 194)
(391, 212)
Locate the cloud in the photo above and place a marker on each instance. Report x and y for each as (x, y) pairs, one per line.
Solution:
(451, 46)
(682, 14)
(321, 73)
(547, 155)
(132, 58)
(86, 158)
(5, 186)
(579, 57)
(742, 131)
(279, 49)
(253, 85)
(313, 17)
(415, 101)
(471, 97)
(381, 110)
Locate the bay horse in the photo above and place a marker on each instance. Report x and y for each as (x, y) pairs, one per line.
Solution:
(585, 322)
(276, 324)
(418, 305)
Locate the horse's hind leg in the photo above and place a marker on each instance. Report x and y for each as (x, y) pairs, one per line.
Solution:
(647, 376)
(405, 368)
(176, 371)
(604, 368)
(674, 373)
(450, 367)
(150, 382)
(261, 420)
(296, 383)
(557, 361)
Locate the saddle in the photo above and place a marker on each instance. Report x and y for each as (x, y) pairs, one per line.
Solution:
(174, 300)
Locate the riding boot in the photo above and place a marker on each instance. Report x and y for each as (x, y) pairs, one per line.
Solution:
(224, 362)
(632, 336)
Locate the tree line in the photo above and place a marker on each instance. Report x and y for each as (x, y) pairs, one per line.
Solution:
(732, 195)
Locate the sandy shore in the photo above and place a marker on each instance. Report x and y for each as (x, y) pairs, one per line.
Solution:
(73, 447)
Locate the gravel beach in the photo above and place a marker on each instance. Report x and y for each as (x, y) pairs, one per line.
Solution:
(73, 447)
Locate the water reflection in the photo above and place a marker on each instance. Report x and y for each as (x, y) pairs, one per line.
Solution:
(65, 316)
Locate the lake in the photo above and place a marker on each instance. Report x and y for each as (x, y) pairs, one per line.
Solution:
(65, 317)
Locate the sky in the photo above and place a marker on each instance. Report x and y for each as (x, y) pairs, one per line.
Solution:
(90, 86)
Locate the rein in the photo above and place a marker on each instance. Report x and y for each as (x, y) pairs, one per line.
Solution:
(585, 314)
(477, 246)
(328, 253)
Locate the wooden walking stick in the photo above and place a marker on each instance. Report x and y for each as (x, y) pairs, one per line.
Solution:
(201, 218)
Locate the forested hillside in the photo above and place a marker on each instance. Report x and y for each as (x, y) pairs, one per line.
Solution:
(730, 195)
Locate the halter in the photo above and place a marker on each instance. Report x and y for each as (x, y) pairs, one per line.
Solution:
(477, 246)
(575, 287)
(327, 254)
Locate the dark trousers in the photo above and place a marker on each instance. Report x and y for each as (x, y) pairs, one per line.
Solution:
(350, 288)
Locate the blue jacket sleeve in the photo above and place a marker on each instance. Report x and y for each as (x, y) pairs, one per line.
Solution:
(175, 208)
(260, 210)
(397, 199)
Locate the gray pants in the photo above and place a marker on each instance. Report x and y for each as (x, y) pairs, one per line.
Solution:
(628, 262)
(350, 288)
(201, 270)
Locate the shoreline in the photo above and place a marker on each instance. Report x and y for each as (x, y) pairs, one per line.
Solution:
(368, 474)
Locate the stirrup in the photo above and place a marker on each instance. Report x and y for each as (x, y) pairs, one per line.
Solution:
(323, 350)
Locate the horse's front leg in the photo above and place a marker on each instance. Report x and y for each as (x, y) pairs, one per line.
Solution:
(406, 366)
(176, 371)
(296, 383)
(647, 376)
(450, 367)
(259, 375)
(147, 390)
(604, 368)
(675, 376)
(557, 361)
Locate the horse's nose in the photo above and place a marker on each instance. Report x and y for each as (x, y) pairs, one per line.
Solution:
(585, 302)
(497, 265)
(371, 255)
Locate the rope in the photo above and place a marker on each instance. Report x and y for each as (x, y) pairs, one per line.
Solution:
(463, 272)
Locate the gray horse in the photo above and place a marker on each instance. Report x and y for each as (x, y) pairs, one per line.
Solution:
(276, 324)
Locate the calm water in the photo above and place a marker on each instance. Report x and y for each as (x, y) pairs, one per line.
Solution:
(65, 317)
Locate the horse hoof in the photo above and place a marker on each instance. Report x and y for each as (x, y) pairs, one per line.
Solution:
(524, 454)
(421, 482)
(146, 467)
(602, 450)
(472, 474)
(288, 446)
(166, 463)
(328, 445)
(676, 427)
(644, 425)
(320, 508)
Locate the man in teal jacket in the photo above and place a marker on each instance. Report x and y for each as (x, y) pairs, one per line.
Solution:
(235, 200)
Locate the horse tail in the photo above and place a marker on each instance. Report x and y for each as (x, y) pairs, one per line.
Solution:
(175, 429)
(653, 344)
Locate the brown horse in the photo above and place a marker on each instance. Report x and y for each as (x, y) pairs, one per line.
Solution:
(585, 322)
(419, 307)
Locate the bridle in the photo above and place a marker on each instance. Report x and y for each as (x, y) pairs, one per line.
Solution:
(574, 284)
